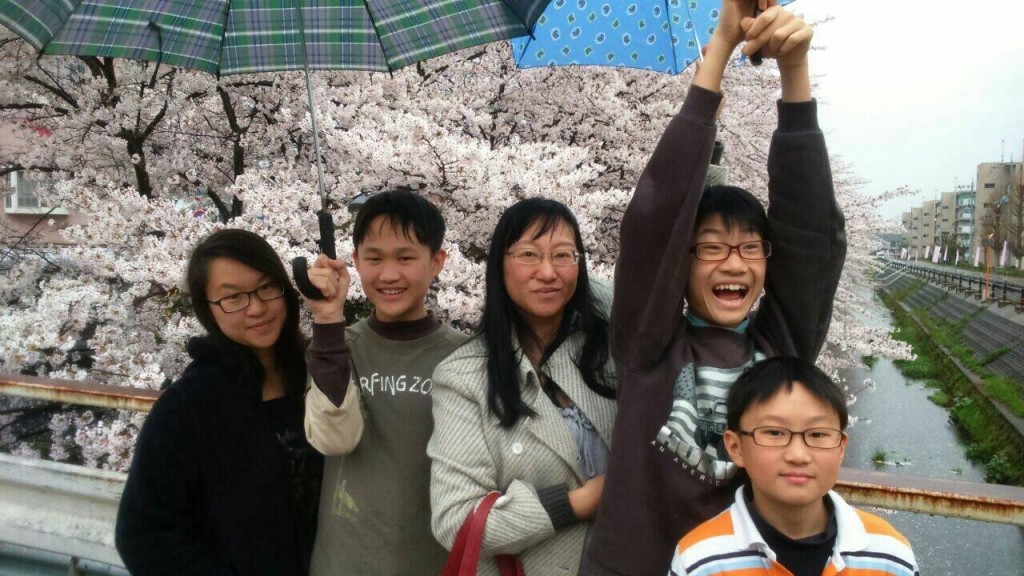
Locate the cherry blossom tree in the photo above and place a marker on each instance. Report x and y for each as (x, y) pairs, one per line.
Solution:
(159, 157)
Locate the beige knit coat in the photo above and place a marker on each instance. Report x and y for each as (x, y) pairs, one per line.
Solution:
(473, 455)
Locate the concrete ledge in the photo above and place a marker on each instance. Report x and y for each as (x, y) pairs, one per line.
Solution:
(60, 507)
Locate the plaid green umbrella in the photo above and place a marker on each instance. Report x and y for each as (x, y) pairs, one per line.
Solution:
(247, 36)
(225, 37)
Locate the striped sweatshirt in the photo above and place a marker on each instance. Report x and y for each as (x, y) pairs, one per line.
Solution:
(730, 545)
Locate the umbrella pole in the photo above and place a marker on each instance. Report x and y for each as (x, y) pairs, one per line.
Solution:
(316, 144)
(324, 216)
(299, 268)
(312, 110)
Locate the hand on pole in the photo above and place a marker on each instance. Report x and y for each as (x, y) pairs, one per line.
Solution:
(332, 278)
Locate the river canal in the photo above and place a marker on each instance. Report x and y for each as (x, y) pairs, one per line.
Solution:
(899, 418)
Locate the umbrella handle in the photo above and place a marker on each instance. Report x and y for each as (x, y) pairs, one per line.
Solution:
(756, 59)
(300, 270)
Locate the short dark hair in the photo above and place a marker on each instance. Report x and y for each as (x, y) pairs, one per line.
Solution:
(404, 210)
(762, 381)
(252, 250)
(735, 206)
(500, 320)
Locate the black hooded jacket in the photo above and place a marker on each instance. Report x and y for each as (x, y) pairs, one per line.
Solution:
(221, 483)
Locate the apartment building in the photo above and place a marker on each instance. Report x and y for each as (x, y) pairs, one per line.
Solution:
(996, 181)
(964, 225)
(923, 227)
(964, 218)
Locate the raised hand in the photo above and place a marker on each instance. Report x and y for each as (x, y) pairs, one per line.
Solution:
(331, 277)
(728, 31)
(778, 34)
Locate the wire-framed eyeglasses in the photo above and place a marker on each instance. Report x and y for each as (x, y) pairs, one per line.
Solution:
(718, 251)
(240, 300)
(778, 437)
(533, 257)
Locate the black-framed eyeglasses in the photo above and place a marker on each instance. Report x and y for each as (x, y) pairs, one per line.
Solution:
(240, 300)
(532, 257)
(718, 251)
(778, 437)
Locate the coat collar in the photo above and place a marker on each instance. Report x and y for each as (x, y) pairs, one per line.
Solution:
(548, 426)
(852, 536)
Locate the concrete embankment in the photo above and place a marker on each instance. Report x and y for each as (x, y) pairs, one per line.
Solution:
(993, 334)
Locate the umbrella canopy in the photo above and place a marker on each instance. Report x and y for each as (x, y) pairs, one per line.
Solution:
(225, 37)
(659, 35)
(248, 36)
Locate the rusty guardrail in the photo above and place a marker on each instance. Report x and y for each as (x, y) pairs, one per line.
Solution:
(949, 498)
(953, 499)
(75, 392)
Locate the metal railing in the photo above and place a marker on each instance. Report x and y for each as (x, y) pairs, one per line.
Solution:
(1003, 291)
(75, 392)
(69, 509)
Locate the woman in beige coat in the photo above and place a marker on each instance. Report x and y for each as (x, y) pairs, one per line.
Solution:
(526, 407)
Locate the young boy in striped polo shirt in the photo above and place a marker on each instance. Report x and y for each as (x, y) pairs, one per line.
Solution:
(786, 422)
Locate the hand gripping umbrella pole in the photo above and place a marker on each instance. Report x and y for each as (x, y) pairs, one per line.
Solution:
(300, 269)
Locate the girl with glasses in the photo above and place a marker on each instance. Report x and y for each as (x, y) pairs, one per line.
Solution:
(223, 480)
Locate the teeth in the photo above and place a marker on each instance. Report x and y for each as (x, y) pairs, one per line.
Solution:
(735, 287)
(392, 291)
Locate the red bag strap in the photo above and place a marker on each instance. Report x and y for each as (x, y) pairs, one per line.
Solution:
(509, 565)
(465, 554)
(475, 538)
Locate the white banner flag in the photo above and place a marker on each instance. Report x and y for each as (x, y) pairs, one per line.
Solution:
(945, 255)
(957, 263)
(977, 256)
(927, 252)
(936, 254)
(903, 254)
(1002, 257)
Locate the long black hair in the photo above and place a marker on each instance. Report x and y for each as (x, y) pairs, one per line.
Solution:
(252, 250)
(501, 322)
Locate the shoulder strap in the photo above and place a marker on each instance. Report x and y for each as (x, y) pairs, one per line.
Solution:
(465, 554)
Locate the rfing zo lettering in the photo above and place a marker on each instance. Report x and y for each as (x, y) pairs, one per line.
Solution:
(394, 384)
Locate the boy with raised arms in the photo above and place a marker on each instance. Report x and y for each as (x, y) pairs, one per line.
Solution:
(711, 253)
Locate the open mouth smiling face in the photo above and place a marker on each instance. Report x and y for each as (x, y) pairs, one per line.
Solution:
(722, 292)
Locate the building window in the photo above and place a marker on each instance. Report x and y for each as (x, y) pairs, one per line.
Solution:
(989, 185)
(20, 196)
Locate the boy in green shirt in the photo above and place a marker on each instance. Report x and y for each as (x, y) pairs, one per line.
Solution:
(374, 516)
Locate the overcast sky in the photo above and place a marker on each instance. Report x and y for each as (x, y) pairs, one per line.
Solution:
(917, 92)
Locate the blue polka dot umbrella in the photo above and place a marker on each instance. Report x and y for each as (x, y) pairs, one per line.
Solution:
(660, 35)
